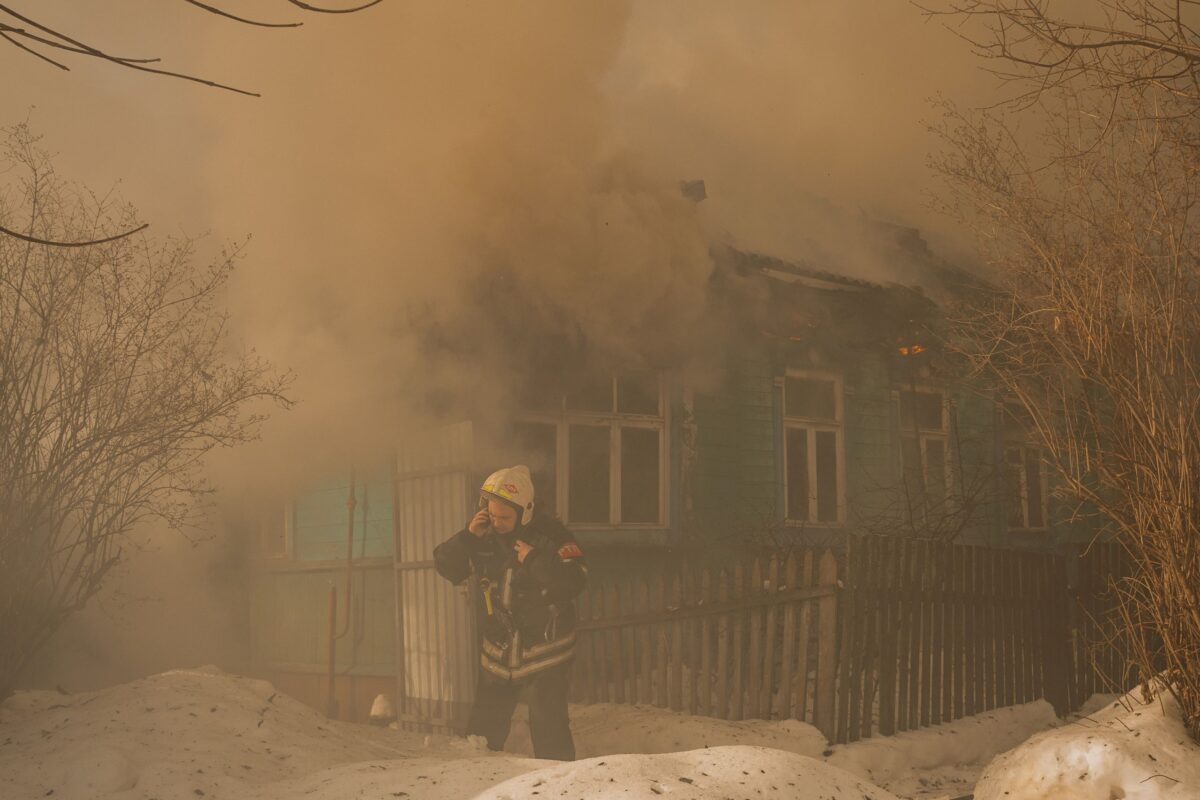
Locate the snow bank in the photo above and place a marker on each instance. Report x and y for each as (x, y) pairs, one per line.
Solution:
(930, 762)
(1137, 753)
(607, 728)
(206, 734)
(943, 759)
(716, 773)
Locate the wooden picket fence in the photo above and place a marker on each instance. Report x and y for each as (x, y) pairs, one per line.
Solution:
(933, 632)
(753, 640)
(915, 633)
(1098, 647)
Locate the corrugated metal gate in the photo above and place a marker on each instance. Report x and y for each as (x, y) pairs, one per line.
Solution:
(436, 655)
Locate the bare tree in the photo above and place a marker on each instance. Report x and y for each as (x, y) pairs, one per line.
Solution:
(1107, 44)
(26, 31)
(116, 379)
(1091, 319)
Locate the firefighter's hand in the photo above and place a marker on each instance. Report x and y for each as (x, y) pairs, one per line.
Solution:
(522, 548)
(480, 523)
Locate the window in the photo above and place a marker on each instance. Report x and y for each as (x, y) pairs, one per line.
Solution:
(598, 454)
(1025, 483)
(924, 451)
(812, 452)
(274, 533)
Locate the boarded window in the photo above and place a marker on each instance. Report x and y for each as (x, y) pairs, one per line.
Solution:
(589, 474)
(797, 473)
(639, 475)
(810, 398)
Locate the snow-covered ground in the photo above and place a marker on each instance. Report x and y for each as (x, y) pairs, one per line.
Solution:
(1133, 748)
(206, 734)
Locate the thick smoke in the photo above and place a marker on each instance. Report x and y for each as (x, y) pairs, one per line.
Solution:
(436, 191)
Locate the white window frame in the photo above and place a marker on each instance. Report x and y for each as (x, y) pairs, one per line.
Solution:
(924, 435)
(563, 419)
(837, 427)
(288, 512)
(1012, 438)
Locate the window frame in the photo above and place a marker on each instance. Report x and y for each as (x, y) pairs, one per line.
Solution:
(563, 418)
(923, 435)
(287, 511)
(1012, 437)
(813, 425)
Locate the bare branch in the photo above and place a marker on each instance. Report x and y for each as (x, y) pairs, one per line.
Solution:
(89, 243)
(235, 18)
(308, 7)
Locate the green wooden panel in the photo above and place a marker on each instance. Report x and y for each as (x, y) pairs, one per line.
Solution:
(320, 519)
(290, 617)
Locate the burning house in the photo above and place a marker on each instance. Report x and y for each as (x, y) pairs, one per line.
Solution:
(830, 406)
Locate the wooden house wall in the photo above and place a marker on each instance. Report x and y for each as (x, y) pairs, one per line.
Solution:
(290, 600)
(871, 466)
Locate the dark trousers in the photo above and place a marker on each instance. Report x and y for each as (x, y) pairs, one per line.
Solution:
(491, 715)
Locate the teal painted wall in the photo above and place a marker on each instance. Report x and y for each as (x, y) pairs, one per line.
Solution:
(319, 519)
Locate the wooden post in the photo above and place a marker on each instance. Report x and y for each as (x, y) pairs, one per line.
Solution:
(1055, 641)
(646, 681)
(928, 569)
(942, 665)
(676, 690)
(617, 654)
(868, 645)
(826, 655)
(787, 650)
(723, 636)
(1037, 612)
(888, 580)
(768, 673)
(738, 687)
(848, 660)
(660, 676)
(901, 604)
(688, 599)
(706, 622)
(959, 634)
(802, 648)
(755, 617)
(600, 645)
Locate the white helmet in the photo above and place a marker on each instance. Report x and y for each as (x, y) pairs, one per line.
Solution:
(514, 486)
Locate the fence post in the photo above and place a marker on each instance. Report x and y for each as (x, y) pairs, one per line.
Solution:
(823, 714)
(1056, 643)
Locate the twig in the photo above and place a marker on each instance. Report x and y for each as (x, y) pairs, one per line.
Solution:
(308, 7)
(52, 243)
(235, 18)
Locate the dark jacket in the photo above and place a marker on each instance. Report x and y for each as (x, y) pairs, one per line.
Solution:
(526, 610)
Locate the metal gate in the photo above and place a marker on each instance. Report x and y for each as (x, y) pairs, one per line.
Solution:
(436, 651)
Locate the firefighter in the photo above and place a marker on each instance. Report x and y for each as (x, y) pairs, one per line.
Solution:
(528, 569)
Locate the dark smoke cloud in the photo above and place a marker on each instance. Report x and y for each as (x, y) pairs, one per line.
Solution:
(430, 187)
